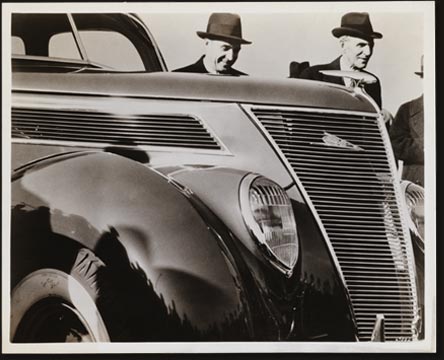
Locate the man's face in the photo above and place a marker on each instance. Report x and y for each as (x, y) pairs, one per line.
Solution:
(357, 52)
(221, 54)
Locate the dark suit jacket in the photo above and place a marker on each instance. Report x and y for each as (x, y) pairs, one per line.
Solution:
(407, 136)
(199, 67)
(312, 73)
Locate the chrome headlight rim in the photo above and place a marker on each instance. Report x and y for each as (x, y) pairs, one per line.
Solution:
(254, 229)
(414, 195)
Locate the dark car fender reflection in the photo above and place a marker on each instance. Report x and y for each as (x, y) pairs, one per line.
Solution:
(130, 303)
(125, 287)
(324, 313)
(152, 241)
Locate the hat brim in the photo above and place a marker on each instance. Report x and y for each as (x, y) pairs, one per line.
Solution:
(228, 38)
(340, 31)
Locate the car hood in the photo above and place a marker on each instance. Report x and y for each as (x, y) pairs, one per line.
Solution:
(244, 89)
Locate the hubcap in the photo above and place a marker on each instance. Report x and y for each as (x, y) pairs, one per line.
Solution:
(52, 320)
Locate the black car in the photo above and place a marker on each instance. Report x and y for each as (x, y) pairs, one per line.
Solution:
(156, 206)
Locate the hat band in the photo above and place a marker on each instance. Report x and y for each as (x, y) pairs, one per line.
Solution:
(368, 30)
(224, 29)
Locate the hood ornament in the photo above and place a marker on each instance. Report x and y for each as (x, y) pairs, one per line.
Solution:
(359, 78)
(335, 141)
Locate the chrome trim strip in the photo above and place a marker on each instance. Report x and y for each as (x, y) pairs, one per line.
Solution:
(312, 110)
(140, 96)
(104, 145)
(378, 333)
(77, 38)
(213, 133)
(50, 59)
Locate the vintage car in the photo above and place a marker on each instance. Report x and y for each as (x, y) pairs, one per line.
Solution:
(156, 206)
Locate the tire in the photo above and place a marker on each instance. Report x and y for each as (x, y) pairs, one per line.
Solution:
(53, 304)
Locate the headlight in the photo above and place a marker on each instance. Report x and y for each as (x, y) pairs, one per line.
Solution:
(269, 216)
(414, 198)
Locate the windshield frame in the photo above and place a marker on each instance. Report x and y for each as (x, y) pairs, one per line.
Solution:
(143, 42)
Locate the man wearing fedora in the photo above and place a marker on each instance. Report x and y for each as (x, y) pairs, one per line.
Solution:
(223, 40)
(407, 136)
(356, 37)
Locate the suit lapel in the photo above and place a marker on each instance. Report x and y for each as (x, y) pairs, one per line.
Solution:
(200, 67)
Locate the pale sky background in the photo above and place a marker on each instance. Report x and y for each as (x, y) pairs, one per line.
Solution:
(283, 36)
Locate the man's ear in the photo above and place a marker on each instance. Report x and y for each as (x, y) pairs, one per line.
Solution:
(342, 40)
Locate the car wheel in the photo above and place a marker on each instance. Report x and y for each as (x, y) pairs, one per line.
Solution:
(56, 305)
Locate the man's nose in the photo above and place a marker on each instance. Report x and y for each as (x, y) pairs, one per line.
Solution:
(366, 50)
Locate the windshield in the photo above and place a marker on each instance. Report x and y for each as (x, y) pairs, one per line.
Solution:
(106, 41)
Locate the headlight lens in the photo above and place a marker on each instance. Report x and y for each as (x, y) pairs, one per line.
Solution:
(269, 215)
(414, 197)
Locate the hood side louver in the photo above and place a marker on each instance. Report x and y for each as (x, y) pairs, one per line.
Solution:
(83, 127)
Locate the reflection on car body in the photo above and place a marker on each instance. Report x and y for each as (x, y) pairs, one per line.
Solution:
(180, 211)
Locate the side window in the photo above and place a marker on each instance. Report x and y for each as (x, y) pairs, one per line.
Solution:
(17, 46)
(34, 34)
(111, 49)
(63, 46)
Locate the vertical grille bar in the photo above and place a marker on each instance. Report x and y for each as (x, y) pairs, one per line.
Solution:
(342, 163)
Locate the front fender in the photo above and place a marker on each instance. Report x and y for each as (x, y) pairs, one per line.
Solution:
(312, 303)
(122, 209)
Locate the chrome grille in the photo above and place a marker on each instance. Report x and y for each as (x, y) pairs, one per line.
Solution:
(351, 187)
(103, 128)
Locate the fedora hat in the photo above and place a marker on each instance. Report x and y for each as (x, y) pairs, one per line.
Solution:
(357, 25)
(421, 73)
(224, 26)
